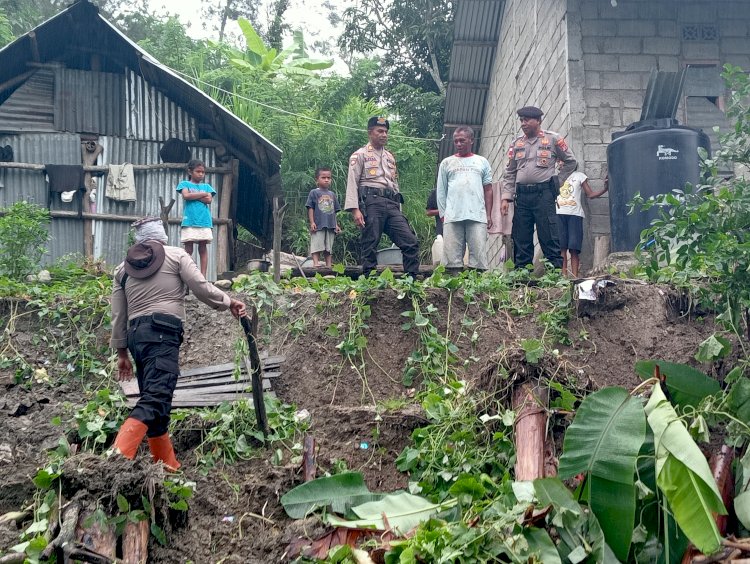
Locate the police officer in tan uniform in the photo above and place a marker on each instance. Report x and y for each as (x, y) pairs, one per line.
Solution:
(373, 198)
(530, 178)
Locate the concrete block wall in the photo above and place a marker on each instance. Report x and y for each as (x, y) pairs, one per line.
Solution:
(618, 46)
(529, 70)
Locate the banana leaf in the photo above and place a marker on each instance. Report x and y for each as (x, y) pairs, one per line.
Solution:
(581, 536)
(686, 385)
(603, 443)
(684, 476)
(339, 491)
(403, 512)
(541, 544)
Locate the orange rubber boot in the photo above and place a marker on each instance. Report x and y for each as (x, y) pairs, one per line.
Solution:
(162, 451)
(129, 437)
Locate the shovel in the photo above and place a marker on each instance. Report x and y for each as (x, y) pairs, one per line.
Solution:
(254, 368)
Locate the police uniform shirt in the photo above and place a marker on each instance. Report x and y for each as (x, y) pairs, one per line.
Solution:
(369, 167)
(532, 161)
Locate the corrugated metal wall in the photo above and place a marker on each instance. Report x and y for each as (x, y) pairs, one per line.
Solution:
(151, 115)
(110, 237)
(44, 148)
(476, 27)
(30, 107)
(89, 102)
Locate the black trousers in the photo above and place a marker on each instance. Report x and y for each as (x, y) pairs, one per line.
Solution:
(535, 206)
(384, 216)
(156, 351)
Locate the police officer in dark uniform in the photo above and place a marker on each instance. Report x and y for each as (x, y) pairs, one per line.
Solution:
(530, 178)
(373, 198)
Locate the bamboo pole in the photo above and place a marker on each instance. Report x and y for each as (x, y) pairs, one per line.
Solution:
(278, 217)
(105, 168)
(62, 214)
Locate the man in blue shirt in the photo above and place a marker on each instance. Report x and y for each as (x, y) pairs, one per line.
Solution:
(464, 196)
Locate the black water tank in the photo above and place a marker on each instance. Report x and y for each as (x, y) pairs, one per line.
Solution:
(651, 158)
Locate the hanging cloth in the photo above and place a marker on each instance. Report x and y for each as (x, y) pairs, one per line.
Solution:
(121, 183)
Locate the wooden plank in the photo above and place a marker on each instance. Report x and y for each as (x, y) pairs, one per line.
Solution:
(130, 387)
(240, 387)
(228, 376)
(268, 363)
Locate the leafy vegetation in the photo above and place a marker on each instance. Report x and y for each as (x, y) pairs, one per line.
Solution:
(700, 236)
(23, 238)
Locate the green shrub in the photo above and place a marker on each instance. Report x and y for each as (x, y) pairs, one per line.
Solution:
(23, 238)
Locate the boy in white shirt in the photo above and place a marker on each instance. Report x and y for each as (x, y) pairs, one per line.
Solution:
(570, 217)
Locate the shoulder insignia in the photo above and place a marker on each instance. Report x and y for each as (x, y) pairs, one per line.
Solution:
(562, 144)
(353, 161)
(510, 153)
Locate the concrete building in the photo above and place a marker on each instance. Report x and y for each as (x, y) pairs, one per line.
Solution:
(587, 63)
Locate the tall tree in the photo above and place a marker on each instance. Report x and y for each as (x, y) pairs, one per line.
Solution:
(415, 35)
(6, 33)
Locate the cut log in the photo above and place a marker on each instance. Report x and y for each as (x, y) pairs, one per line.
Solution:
(98, 538)
(135, 543)
(529, 403)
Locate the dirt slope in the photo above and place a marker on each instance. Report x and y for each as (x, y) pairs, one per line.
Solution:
(236, 515)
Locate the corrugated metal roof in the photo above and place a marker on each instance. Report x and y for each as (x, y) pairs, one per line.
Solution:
(79, 33)
(476, 29)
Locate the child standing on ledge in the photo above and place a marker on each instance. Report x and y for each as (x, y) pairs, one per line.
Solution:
(570, 218)
(322, 206)
(197, 225)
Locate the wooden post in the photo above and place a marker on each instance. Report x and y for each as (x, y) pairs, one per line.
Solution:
(308, 458)
(232, 213)
(278, 217)
(164, 213)
(529, 403)
(222, 237)
(135, 543)
(88, 157)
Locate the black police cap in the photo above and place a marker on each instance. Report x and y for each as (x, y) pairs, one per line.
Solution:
(376, 121)
(530, 112)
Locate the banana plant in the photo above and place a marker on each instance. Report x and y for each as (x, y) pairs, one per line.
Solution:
(292, 62)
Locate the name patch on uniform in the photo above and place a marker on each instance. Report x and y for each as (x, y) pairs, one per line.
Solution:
(544, 153)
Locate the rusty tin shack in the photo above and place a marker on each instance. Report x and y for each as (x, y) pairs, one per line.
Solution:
(76, 91)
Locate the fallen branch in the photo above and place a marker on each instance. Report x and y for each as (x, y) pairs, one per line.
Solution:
(67, 530)
(14, 558)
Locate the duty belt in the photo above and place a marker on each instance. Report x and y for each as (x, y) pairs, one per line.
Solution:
(382, 192)
(537, 186)
(163, 320)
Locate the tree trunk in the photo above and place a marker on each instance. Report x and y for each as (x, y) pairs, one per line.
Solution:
(135, 543)
(529, 403)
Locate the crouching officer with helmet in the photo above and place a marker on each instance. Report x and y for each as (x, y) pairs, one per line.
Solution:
(373, 198)
(530, 178)
(148, 309)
